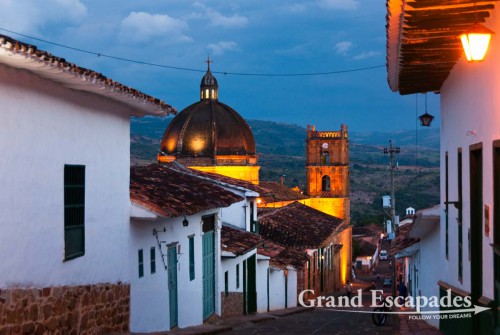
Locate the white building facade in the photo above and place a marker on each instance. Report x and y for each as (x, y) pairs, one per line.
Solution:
(470, 154)
(421, 268)
(167, 271)
(64, 204)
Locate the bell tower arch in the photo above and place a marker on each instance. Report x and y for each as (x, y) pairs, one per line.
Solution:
(327, 170)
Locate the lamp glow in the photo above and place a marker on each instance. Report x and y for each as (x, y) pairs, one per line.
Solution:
(475, 42)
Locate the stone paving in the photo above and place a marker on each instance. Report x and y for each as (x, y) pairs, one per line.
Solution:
(318, 322)
(415, 327)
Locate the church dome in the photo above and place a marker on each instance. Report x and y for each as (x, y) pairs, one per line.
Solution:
(209, 131)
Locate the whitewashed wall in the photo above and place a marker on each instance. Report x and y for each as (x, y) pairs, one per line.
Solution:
(262, 269)
(238, 214)
(235, 214)
(229, 264)
(150, 294)
(470, 113)
(277, 289)
(44, 126)
(292, 288)
(429, 269)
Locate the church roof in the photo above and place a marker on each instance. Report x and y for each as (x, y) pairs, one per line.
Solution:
(26, 56)
(171, 193)
(208, 128)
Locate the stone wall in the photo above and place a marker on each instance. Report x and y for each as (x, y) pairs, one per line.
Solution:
(232, 304)
(85, 309)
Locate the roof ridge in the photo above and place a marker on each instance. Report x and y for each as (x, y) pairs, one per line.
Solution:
(60, 70)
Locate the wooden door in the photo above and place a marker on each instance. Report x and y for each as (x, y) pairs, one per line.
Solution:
(172, 285)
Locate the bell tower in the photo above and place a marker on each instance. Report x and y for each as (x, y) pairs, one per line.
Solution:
(327, 170)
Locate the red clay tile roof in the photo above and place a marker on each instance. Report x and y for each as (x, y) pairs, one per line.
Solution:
(402, 240)
(265, 210)
(239, 241)
(298, 226)
(22, 55)
(279, 192)
(223, 179)
(172, 193)
(281, 257)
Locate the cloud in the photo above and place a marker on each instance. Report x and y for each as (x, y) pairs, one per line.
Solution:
(300, 50)
(295, 8)
(218, 19)
(30, 16)
(342, 48)
(339, 4)
(221, 47)
(365, 55)
(144, 27)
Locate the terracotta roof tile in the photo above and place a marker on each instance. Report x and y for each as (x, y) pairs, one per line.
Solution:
(223, 179)
(281, 257)
(298, 226)
(402, 240)
(59, 69)
(172, 193)
(239, 241)
(279, 192)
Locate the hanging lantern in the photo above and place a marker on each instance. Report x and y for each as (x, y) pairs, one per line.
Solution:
(426, 119)
(475, 42)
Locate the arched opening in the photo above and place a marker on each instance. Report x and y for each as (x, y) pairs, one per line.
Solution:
(325, 158)
(325, 184)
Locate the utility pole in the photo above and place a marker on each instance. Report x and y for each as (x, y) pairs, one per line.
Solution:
(391, 150)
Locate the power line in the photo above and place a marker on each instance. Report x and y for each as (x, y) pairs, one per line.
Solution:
(98, 54)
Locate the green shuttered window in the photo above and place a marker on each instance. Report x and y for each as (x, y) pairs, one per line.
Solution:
(226, 283)
(152, 255)
(237, 276)
(140, 256)
(191, 257)
(74, 211)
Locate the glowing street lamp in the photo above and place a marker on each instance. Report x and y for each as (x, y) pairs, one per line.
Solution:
(475, 42)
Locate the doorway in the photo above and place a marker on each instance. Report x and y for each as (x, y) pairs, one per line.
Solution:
(476, 225)
(208, 246)
(172, 285)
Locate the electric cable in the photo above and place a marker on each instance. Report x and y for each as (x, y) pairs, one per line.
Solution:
(98, 54)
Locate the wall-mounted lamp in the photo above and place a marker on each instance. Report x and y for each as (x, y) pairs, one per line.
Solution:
(185, 222)
(475, 42)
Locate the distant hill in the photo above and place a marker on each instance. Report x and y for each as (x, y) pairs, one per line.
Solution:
(281, 148)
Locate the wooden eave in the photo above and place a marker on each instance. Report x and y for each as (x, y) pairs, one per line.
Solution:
(423, 41)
